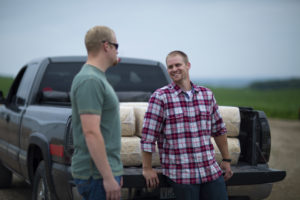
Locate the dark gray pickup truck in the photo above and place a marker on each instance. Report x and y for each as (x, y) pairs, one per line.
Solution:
(36, 134)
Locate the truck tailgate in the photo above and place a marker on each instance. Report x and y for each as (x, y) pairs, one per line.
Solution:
(243, 175)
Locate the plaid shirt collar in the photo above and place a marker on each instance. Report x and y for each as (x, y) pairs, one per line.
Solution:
(177, 90)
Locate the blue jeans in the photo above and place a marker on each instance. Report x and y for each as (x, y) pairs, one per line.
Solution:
(213, 190)
(92, 189)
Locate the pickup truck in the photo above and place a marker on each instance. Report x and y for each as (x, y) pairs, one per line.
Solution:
(36, 134)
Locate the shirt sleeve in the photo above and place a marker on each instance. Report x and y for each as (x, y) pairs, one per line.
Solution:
(218, 126)
(153, 123)
(90, 96)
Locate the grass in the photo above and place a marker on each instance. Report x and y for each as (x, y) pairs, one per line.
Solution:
(5, 83)
(279, 103)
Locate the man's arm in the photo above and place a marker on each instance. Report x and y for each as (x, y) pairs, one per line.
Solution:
(149, 173)
(152, 126)
(222, 144)
(95, 143)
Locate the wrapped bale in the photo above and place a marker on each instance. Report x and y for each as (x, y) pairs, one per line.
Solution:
(232, 119)
(139, 113)
(233, 148)
(127, 121)
(230, 115)
(131, 152)
(134, 104)
(140, 109)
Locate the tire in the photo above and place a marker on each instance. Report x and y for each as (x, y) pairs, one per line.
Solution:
(5, 176)
(41, 189)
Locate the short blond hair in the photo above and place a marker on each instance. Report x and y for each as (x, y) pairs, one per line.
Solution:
(180, 53)
(95, 36)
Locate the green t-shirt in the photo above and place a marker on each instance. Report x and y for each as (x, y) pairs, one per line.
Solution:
(91, 93)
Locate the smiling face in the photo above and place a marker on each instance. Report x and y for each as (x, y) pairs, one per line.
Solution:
(178, 69)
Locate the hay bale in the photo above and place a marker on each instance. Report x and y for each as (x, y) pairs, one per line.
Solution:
(131, 152)
(232, 119)
(127, 119)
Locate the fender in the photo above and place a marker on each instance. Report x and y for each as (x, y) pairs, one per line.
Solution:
(39, 140)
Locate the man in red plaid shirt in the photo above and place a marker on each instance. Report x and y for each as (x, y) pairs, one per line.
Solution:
(181, 117)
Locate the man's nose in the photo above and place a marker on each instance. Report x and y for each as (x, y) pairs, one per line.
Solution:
(174, 68)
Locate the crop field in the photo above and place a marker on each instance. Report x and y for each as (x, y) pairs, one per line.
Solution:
(279, 103)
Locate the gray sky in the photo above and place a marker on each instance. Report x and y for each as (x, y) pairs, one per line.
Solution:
(224, 39)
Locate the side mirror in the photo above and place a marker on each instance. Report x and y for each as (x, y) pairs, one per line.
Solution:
(2, 99)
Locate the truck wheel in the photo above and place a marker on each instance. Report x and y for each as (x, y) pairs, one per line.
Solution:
(40, 186)
(5, 176)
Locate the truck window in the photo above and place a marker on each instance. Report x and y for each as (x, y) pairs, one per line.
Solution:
(12, 99)
(125, 78)
(26, 83)
(59, 76)
(136, 78)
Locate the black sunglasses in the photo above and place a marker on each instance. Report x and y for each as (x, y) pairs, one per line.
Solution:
(116, 45)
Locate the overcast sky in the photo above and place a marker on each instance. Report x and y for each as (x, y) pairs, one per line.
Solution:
(223, 39)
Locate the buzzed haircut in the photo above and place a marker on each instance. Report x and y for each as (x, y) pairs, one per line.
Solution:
(95, 37)
(180, 53)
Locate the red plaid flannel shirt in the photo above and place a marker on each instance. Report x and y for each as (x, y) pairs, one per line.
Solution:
(182, 129)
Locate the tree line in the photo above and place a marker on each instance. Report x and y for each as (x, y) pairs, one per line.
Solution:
(293, 83)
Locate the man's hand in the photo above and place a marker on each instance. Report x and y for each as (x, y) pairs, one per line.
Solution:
(225, 166)
(112, 189)
(151, 177)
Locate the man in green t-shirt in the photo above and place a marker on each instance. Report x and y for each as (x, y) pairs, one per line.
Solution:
(96, 165)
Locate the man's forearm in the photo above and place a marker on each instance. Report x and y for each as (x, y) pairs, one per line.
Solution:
(147, 159)
(222, 144)
(96, 146)
(149, 173)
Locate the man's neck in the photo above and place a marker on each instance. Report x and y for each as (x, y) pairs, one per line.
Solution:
(97, 62)
(185, 85)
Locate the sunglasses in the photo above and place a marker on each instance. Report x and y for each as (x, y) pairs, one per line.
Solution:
(116, 45)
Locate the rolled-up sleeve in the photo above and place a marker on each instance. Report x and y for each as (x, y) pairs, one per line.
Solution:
(153, 123)
(218, 126)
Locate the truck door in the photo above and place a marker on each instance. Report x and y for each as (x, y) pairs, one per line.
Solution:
(13, 111)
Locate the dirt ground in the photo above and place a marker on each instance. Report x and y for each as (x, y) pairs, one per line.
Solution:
(285, 138)
(19, 190)
(285, 149)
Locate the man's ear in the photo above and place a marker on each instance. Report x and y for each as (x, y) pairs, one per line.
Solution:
(105, 46)
(189, 65)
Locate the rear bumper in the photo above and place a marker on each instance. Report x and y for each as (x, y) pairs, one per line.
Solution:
(243, 175)
(253, 192)
(250, 175)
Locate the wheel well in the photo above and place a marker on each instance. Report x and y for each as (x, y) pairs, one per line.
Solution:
(35, 156)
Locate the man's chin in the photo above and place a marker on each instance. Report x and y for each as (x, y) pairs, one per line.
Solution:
(116, 61)
(177, 79)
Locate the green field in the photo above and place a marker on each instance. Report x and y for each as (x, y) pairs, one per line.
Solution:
(277, 103)
(5, 83)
